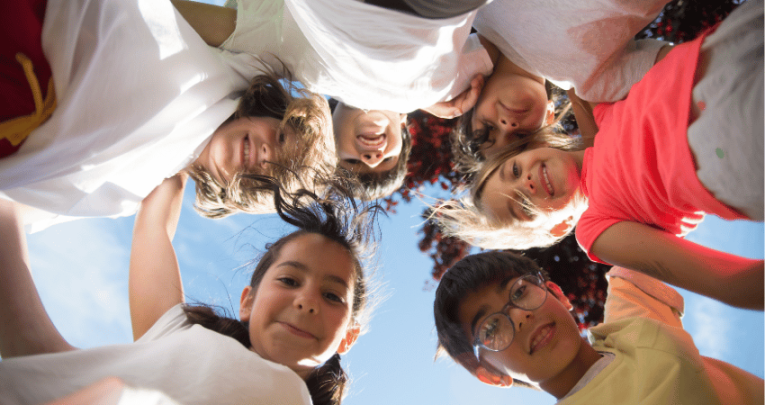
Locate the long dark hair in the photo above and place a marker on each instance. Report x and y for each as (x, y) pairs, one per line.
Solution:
(336, 216)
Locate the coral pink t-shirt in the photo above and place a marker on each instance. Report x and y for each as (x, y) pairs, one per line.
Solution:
(641, 168)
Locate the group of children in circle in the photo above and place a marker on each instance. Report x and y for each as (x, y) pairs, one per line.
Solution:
(210, 92)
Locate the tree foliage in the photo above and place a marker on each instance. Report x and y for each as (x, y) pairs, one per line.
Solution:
(430, 164)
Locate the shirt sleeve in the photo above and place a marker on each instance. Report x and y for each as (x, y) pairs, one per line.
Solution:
(474, 60)
(613, 80)
(632, 294)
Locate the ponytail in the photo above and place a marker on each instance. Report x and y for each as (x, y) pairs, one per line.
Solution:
(327, 383)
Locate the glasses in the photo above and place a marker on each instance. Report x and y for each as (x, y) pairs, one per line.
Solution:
(497, 331)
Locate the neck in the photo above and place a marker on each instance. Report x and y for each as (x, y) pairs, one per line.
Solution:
(505, 66)
(563, 382)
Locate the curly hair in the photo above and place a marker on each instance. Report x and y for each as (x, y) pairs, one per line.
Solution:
(466, 143)
(336, 216)
(300, 111)
(467, 220)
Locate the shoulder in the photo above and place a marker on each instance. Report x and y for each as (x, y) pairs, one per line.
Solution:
(170, 322)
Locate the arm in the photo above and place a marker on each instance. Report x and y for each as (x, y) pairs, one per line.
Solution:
(584, 117)
(25, 327)
(155, 279)
(728, 278)
(213, 23)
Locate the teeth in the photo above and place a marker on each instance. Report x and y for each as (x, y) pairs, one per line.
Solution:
(542, 334)
(547, 180)
(246, 149)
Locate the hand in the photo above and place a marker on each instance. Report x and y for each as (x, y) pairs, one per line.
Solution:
(458, 105)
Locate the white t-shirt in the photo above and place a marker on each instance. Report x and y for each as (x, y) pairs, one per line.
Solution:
(585, 44)
(365, 56)
(189, 363)
(139, 94)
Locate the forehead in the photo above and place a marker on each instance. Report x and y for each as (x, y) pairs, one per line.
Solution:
(318, 256)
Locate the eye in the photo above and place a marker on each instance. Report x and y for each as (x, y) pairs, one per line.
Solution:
(288, 281)
(334, 297)
(516, 170)
(387, 159)
(282, 137)
(488, 330)
(517, 294)
(352, 161)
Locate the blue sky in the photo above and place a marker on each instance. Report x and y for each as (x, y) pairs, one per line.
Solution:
(81, 269)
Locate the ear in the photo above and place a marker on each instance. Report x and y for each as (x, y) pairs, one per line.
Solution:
(493, 379)
(245, 304)
(350, 338)
(550, 114)
(562, 228)
(559, 295)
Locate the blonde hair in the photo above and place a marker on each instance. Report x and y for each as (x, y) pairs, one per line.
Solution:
(467, 220)
(299, 110)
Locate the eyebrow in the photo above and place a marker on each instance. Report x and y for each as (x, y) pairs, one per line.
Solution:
(304, 269)
(485, 308)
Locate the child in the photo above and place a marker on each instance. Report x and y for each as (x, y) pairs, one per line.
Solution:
(586, 45)
(303, 307)
(498, 315)
(101, 152)
(640, 181)
(373, 147)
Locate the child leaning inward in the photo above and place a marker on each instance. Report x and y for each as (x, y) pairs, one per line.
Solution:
(498, 315)
(304, 306)
(649, 173)
(101, 152)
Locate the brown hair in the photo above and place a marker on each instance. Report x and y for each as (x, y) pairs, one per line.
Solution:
(337, 217)
(466, 143)
(374, 185)
(301, 111)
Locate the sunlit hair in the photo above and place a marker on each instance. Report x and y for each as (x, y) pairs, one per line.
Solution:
(466, 142)
(335, 216)
(471, 274)
(374, 185)
(467, 219)
(299, 111)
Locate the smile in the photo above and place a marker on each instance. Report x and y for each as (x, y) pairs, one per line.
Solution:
(542, 337)
(297, 331)
(246, 153)
(371, 141)
(545, 180)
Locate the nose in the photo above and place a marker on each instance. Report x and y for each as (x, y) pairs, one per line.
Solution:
(265, 155)
(520, 317)
(511, 122)
(372, 158)
(528, 184)
(305, 302)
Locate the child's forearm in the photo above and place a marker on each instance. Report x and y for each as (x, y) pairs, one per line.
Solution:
(25, 327)
(734, 280)
(588, 128)
(213, 23)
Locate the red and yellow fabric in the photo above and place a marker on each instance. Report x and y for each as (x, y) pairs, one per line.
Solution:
(24, 103)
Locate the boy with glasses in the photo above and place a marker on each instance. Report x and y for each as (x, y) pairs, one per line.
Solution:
(498, 315)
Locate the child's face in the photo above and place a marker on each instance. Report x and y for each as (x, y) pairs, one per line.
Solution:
(510, 106)
(245, 145)
(367, 141)
(301, 313)
(546, 339)
(546, 178)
